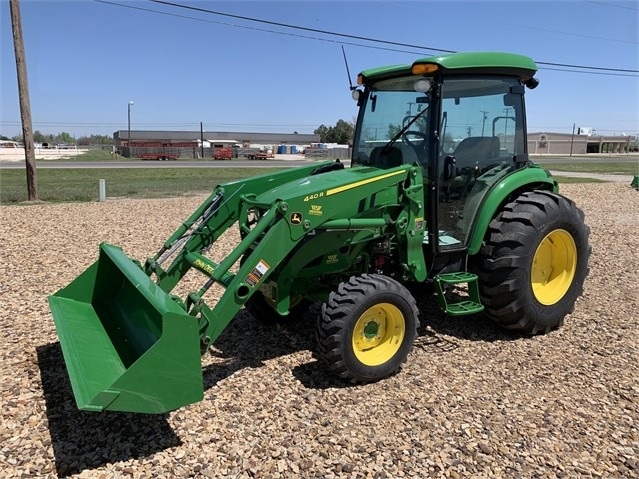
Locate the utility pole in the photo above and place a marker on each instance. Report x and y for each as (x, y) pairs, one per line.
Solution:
(484, 117)
(202, 139)
(128, 138)
(25, 105)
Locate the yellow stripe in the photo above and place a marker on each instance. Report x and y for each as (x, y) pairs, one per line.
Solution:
(363, 182)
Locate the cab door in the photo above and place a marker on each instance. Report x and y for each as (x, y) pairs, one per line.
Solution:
(482, 124)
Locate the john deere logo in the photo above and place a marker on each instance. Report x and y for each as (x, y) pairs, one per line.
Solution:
(296, 218)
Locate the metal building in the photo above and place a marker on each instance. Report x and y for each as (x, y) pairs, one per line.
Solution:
(197, 144)
(540, 143)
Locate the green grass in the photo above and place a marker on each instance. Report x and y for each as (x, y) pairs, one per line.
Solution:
(81, 184)
(568, 179)
(603, 167)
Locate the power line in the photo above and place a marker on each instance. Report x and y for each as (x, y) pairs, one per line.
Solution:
(297, 27)
(357, 37)
(586, 72)
(612, 5)
(265, 30)
(588, 68)
(570, 34)
(191, 124)
(567, 67)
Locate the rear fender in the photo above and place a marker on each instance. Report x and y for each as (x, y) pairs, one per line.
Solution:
(527, 179)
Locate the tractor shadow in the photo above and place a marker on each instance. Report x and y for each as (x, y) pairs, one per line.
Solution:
(442, 331)
(85, 440)
(248, 342)
(438, 333)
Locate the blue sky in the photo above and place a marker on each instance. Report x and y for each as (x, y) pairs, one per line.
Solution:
(86, 60)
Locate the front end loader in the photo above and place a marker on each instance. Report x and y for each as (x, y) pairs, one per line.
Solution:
(424, 202)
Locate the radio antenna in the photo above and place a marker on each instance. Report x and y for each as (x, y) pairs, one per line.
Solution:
(350, 84)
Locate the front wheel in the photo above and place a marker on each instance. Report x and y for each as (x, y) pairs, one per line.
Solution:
(367, 328)
(533, 263)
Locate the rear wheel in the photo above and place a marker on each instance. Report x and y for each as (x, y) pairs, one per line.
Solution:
(367, 328)
(533, 263)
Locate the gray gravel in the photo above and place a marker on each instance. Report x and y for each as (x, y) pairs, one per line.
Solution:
(471, 401)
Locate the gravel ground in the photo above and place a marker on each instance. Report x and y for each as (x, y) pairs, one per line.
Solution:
(471, 401)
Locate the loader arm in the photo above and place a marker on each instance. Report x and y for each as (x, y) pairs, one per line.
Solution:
(210, 220)
(288, 214)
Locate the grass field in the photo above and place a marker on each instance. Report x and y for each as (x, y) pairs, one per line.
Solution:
(57, 185)
(568, 179)
(602, 167)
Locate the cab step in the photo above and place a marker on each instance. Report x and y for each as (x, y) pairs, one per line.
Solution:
(459, 308)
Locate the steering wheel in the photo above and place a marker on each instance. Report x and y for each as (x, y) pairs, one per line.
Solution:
(421, 138)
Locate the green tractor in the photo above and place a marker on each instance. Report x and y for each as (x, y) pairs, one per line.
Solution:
(440, 194)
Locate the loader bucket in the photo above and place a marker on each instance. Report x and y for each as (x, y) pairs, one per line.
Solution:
(127, 345)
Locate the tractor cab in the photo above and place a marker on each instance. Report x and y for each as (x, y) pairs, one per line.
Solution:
(464, 123)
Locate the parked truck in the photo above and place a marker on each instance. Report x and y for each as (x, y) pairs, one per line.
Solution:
(440, 194)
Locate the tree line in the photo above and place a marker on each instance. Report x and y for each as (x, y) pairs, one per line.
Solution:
(64, 138)
(341, 133)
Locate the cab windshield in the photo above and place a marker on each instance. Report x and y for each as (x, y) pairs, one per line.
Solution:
(394, 123)
(478, 125)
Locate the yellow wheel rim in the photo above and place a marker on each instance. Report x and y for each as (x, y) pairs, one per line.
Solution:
(378, 334)
(554, 266)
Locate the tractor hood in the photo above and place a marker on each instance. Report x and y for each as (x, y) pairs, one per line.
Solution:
(345, 184)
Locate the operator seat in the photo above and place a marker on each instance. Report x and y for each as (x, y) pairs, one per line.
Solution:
(477, 151)
(473, 156)
(396, 155)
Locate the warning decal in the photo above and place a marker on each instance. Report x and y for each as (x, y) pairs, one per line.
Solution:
(256, 274)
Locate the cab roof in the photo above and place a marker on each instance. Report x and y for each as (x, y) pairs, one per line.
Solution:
(475, 63)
